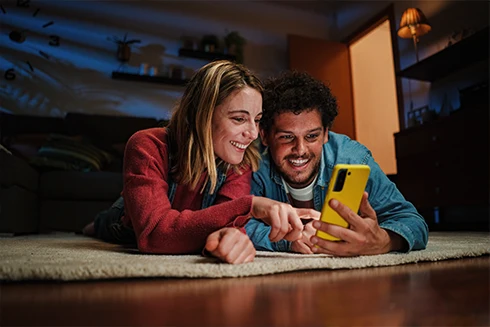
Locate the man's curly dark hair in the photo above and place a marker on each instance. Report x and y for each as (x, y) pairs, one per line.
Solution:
(296, 92)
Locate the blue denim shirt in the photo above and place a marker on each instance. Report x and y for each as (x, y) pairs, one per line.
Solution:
(393, 211)
(208, 199)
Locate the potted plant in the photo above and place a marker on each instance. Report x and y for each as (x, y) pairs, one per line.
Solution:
(123, 47)
(234, 44)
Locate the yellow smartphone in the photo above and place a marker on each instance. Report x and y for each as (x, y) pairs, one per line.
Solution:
(347, 185)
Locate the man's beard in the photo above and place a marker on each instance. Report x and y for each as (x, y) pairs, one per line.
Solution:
(291, 180)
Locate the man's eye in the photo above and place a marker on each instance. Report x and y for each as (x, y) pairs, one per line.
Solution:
(286, 137)
(311, 136)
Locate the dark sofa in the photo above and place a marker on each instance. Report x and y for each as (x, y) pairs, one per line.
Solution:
(39, 195)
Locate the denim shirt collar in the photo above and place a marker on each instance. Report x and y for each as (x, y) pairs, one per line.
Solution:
(208, 199)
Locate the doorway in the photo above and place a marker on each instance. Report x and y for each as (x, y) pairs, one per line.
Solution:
(374, 94)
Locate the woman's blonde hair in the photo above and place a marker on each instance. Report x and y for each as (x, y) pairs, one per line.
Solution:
(190, 129)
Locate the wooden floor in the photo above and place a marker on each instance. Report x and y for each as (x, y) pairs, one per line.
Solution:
(445, 293)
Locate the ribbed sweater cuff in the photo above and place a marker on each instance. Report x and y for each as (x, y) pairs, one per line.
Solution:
(243, 211)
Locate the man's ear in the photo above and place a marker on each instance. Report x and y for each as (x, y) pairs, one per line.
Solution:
(325, 136)
(263, 137)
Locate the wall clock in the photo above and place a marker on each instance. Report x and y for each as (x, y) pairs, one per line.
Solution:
(20, 35)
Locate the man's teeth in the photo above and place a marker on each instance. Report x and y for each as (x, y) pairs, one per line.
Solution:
(298, 162)
(239, 145)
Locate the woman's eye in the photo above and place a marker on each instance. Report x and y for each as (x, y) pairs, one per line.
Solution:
(239, 119)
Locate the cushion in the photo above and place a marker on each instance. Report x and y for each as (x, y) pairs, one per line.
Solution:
(71, 153)
(26, 146)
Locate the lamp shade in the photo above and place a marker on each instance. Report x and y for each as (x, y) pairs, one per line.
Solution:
(413, 22)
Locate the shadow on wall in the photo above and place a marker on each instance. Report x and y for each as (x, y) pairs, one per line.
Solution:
(77, 77)
(273, 60)
(55, 87)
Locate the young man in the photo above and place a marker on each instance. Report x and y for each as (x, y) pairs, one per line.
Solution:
(299, 155)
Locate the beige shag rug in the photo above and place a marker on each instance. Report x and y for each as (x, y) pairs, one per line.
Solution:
(75, 257)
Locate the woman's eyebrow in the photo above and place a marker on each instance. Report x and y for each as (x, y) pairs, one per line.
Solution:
(231, 112)
(238, 112)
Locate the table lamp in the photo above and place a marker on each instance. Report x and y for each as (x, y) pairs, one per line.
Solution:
(412, 25)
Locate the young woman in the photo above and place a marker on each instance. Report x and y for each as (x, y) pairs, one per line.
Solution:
(187, 186)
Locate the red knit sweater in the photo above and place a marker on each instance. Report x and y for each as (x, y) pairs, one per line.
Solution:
(181, 227)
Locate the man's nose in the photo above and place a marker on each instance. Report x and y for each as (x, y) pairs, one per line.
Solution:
(300, 146)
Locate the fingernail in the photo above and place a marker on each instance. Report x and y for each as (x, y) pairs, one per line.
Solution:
(314, 240)
(334, 203)
(316, 224)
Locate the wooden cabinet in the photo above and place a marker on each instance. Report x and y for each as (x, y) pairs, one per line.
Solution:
(444, 165)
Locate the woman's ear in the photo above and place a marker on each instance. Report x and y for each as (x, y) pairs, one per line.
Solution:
(263, 137)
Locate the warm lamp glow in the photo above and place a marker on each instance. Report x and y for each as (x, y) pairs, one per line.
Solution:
(412, 25)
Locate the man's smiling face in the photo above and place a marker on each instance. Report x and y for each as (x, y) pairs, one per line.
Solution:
(295, 143)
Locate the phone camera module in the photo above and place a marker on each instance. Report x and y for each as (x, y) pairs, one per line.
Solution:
(339, 183)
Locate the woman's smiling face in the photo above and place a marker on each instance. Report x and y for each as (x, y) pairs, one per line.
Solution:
(235, 124)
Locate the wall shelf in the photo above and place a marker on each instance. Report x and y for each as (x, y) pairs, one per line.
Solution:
(148, 78)
(173, 81)
(205, 55)
(466, 52)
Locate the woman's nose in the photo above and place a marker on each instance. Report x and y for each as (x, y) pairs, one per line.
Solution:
(253, 131)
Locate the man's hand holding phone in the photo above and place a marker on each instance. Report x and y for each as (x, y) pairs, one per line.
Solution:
(363, 237)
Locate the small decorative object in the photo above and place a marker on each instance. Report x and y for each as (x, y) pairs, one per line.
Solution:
(175, 71)
(189, 42)
(420, 116)
(234, 44)
(209, 43)
(123, 47)
(153, 71)
(412, 120)
(143, 68)
(446, 106)
(458, 35)
(412, 25)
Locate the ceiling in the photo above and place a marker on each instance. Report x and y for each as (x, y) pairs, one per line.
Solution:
(322, 7)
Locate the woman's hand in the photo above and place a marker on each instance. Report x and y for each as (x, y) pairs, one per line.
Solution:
(230, 245)
(285, 221)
